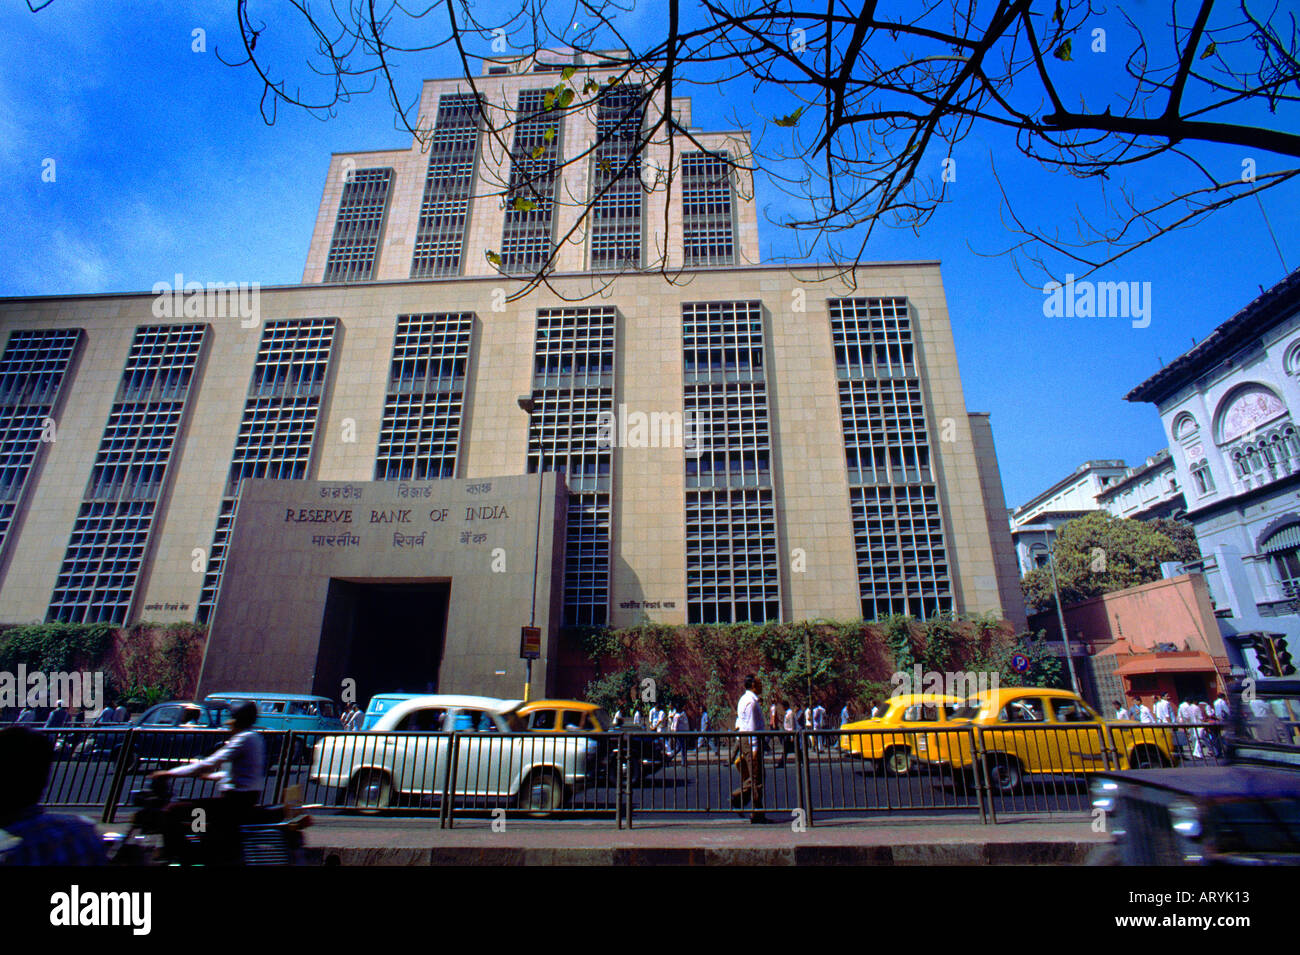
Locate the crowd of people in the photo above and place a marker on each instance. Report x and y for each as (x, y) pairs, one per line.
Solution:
(1202, 738)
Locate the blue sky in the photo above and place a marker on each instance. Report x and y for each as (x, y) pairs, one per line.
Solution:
(163, 164)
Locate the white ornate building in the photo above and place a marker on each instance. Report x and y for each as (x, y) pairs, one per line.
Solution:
(1229, 407)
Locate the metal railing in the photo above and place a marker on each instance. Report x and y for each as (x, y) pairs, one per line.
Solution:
(947, 770)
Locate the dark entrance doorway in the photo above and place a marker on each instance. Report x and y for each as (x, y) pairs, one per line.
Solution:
(385, 635)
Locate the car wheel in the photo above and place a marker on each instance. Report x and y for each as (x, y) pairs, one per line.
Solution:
(897, 761)
(541, 793)
(371, 792)
(1004, 773)
(1145, 757)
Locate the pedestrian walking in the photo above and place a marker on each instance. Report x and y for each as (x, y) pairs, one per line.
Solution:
(819, 724)
(1144, 714)
(681, 724)
(791, 725)
(1164, 711)
(1221, 708)
(1121, 712)
(704, 740)
(846, 716)
(749, 754)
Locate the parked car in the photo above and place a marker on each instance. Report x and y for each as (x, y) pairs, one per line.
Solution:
(178, 731)
(381, 703)
(647, 754)
(1246, 812)
(895, 752)
(563, 716)
(404, 757)
(280, 712)
(1033, 731)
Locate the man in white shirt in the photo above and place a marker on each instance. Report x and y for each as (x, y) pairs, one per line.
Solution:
(1121, 712)
(1221, 709)
(1164, 711)
(1144, 714)
(680, 724)
(819, 723)
(749, 755)
(239, 788)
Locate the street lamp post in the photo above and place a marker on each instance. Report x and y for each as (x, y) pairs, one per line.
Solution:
(528, 405)
(1060, 614)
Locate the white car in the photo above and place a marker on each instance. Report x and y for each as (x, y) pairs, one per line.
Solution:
(405, 755)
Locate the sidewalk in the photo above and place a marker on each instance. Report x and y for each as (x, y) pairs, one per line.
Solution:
(353, 841)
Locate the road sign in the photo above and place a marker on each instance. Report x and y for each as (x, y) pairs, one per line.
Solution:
(1019, 662)
(530, 643)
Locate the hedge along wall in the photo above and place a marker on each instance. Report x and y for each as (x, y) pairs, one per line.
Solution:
(142, 664)
(703, 667)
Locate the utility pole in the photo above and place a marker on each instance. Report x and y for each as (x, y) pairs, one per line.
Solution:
(1060, 616)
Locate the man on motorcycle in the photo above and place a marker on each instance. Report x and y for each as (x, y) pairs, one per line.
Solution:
(217, 820)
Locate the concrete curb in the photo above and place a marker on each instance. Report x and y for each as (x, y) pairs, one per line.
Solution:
(974, 853)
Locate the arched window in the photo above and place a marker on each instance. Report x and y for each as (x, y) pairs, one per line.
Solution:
(1282, 546)
(1244, 410)
(1184, 426)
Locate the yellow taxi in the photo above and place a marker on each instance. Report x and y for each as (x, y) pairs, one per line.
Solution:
(563, 716)
(1033, 731)
(907, 713)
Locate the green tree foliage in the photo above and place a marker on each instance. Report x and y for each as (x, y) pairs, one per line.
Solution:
(851, 662)
(1098, 554)
(55, 647)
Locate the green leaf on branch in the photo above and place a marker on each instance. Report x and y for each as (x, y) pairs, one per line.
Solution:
(523, 205)
(791, 120)
(549, 134)
(493, 257)
(1209, 51)
(1062, 52)
(568, 72)
(566, 98)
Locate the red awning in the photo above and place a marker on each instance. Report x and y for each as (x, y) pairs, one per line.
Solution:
(1167, 663)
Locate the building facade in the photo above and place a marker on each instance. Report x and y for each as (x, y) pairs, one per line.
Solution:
(1147, 491)
(1229, 407)
(730, 441)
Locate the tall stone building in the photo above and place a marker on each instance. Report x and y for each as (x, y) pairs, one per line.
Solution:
(384, 472)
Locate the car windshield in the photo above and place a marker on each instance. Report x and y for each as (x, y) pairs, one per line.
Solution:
(1273, 720)
(923, 713)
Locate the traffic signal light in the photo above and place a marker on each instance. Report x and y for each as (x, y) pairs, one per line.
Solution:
(1265, 662)
(1281, 657)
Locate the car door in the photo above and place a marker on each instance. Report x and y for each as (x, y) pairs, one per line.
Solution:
(1020, 731)
(487, 761)
(418, 762)
(154, 743)
(1077, 743)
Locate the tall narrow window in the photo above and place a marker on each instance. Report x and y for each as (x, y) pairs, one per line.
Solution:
(32, 373)
(617, 198)
(897, 525)
(573, 384)
(354, 248)
(444, 210)
(98, 577)
(732, 573)
(278, 431)
(419, 438)
(526, 242)
(708, 226)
